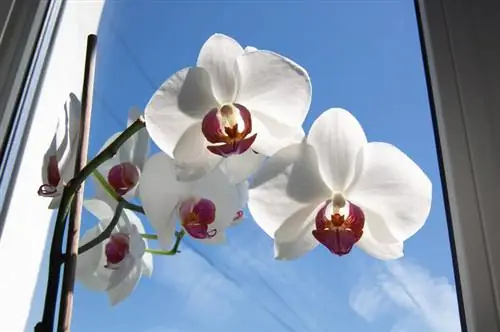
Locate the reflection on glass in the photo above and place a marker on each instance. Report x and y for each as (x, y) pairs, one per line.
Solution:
(362, 57)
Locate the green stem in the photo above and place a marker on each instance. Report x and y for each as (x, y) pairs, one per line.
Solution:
(107, 187)
(171, 252)
(160, 252)
(106, 233)
(149, 236)
(178, 239)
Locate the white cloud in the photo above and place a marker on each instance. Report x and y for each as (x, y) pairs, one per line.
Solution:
(234, 278)
(198, 284)
(417, 300)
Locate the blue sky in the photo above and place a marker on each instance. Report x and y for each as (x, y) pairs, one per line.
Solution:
(361, 55)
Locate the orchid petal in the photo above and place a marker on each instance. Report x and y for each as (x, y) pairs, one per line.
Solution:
(159, 192)
(273, 135)
(147, 264)
(179, 103)
(192, 158)
(90, 262)
(67, 160)
(100, 209)
(239, 167)
(138, 245)
(337, 137)
(392, 185)
(242, 193)
(377, 249)
(250, 49)
(121, 274)
(218, 56)
(126, 287)
(294, 237)
(133, 220)
(139, 143)
(274, 85)
(54, 203)
(288, 182)
(239, 215)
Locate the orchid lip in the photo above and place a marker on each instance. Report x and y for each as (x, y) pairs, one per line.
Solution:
(196, 215)
(339, 233)
(228, 129)
(46, 190)
(234, 148)
(50, 189)
(123, 177)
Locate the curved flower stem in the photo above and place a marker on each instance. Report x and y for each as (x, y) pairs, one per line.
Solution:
(56, 255)
(161, 252)
(171, 252)
(149, 236)
(105, 185)
(106, 233)
(178, 239)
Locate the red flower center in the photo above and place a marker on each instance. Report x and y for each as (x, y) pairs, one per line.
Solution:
(339, 232)
(228, 128)
(196, 215)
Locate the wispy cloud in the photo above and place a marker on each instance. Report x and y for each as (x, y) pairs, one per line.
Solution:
(220, 283)
(208, 296)
(416, 300)
(240, 287)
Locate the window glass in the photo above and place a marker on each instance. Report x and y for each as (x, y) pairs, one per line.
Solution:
(362, 56)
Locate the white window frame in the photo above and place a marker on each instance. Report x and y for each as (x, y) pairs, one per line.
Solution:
(58, 68)
(463, 56)
(463, 67)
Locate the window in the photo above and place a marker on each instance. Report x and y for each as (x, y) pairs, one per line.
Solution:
(363, 56)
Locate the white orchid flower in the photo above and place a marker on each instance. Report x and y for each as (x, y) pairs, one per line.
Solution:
(117, 264)
(204, 207)
(339, 190)
(234, 105)
(123, 171)
(58, 165)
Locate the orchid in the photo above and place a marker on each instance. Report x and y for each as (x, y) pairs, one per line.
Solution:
(117, 264)
(234, 105)
(205, 207)
(122, 172)
(59, 161)
(337, 189)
